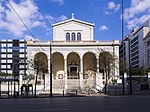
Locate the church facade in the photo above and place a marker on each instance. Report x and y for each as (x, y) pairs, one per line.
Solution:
(75, 58)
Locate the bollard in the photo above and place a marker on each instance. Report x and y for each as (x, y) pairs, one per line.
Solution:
(76, 92)
(63, 92)
(0, 89)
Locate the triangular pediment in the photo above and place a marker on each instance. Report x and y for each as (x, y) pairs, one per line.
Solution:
(73, 20)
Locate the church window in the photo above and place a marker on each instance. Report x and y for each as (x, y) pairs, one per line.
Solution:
(73, 37)
(67, 36)
(78, 36)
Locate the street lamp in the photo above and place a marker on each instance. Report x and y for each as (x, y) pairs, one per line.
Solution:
(123, 92)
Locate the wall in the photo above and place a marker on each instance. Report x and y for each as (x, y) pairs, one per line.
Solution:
(59, 32)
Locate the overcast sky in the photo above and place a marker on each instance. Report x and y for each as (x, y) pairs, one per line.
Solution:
(39, 15)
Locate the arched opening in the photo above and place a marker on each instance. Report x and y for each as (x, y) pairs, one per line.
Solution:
(73, 36)
(89, 65)
(106, 66)
(73, 65)
(78, 36)
(41, 66)
(67, 36)
(105, 63)
(58, 65)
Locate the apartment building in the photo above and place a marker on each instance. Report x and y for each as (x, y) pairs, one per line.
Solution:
(13, 57)
(138, 39)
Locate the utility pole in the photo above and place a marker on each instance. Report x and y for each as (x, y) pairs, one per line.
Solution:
(14, 69)
(51, 93)
(37, 72)
(123, 92)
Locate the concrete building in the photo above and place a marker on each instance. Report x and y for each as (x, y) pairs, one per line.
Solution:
(147, 50)
(13, 57)
(139, 46)
(75, 57)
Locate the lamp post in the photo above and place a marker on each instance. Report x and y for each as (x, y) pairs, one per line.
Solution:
(123, 92)
(113, 61)
(51, 93)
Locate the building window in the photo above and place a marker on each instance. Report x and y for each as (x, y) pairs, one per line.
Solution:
(9, 61)
(3, 50)
(3, 45)
(22, 50)
(78, 36)
(135, 58)
(135, 63)
(9, 56)
(68, 36)
(135, 44)
(3, 61)
(9, 71)
(135, 49)
(148, 43)
(73, 36)
(3, 55)
(3, 66)
(148, 52)
(9, 50)
(135, 39)
(16, 48)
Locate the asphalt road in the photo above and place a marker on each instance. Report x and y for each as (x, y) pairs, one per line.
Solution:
(133, 103)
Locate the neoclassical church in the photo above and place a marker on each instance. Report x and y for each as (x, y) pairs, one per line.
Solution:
(75, 58)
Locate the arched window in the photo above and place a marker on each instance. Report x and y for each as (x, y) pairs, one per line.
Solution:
(73, 36)
(67, 36)
(78, 36)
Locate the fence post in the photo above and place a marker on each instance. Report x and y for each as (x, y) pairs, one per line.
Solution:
(148, 78)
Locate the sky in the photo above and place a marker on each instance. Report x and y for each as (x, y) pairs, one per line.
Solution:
(39, 15)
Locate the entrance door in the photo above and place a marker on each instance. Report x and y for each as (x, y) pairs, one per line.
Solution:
(73, 73)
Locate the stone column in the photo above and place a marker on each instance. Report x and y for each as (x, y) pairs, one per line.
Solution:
(97, 65)
(47, 76)
(49, 65)
(81, 73)
(97, 72)
(65, 74)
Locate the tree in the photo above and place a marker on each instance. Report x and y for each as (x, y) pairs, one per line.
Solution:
(39, 65)
(139, 71)
(36, 65)
(2, 74)
(107, 62)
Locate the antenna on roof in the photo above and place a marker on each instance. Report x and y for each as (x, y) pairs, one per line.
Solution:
(72, 16)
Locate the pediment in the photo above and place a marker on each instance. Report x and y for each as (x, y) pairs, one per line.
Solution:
(72, 20)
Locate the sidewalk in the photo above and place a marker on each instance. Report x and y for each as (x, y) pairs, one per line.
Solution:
(141, 92)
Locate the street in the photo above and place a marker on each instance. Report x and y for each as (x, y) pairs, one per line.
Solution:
(131, 103)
